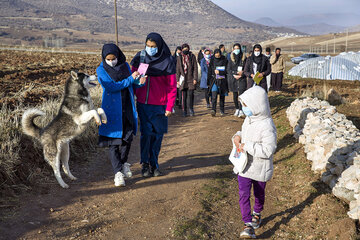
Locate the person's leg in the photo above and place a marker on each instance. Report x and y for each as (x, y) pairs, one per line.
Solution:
(244, 198)
(115, 158)
(259, 193)
(184, 100)
(214, 100)
(279, 79)
(145, 148)
(222, 104)
(155, 146)
(180, 98)
(273, 81)
(207, 96)
(236, 100)
(191, 100)
(124, 150)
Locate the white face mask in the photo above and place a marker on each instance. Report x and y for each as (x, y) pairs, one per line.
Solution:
(111, 63)
(256, 53)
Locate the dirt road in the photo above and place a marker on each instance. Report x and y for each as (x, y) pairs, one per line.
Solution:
(194, 160)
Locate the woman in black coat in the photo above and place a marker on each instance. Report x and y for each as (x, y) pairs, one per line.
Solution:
(257, 62)
(236, 77)
(217, 81)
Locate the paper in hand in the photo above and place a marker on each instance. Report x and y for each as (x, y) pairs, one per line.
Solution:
(257, 79)
(143, 68)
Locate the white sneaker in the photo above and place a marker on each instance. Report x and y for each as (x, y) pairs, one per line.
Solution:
(237, 112)
(126, 170)
(241, 113)
(119, 179)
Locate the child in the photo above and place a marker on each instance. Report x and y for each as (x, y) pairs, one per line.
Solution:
(116, 79)
(258, 140)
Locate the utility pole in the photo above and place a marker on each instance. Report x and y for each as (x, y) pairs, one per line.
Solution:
(346, 42)
(116, 26)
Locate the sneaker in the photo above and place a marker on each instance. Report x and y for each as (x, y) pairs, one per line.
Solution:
(222, 114)
(237, 112)
(192, 113)
(213, 113)
(256, 220)
(156, 172)
(241, 113)
(248, 232)
(119, 179)
(145, 171)
(126, 170)
(184, 114)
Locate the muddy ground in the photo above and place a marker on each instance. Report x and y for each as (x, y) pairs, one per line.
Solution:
(196, 199)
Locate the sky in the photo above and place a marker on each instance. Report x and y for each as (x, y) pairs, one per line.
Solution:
(251, 10)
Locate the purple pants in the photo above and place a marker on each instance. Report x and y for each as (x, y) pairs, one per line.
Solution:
(245, 185)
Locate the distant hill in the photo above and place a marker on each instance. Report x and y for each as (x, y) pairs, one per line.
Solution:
(336, 19)
(318, 28)
(198, 22)
(268, 22)
(354, 28)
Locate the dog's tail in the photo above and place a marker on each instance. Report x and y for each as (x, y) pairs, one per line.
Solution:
(27, 122)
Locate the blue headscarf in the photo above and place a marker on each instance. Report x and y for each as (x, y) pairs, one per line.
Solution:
(162, 63)
(120, 71)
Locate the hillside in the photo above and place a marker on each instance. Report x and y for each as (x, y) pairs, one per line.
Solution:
(197, 22)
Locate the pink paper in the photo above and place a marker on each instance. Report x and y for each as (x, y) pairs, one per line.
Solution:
(143, 68)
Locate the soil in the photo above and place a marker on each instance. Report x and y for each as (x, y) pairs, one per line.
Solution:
(195, 199)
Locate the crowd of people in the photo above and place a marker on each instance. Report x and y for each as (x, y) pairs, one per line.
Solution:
(223, 72)
(171, 80)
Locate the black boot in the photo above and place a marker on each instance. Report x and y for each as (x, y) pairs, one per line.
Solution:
(145, 171)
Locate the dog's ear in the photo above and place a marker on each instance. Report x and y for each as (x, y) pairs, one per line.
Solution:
(74, 75)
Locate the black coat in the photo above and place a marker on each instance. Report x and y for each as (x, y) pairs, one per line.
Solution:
(264, 67)
(211, 80)
(200, 56)
(232, 69)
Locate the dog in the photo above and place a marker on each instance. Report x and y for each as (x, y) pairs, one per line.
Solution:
(76, 110)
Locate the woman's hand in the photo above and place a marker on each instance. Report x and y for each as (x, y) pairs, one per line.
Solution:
(252, 75)
(217, 72)
(240, 73)
(168, 113)
(143, 80)
(260, 75)
(195, 82)
(237, 77)
(135, 74)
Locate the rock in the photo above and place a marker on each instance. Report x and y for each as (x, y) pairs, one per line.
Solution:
(334, 97)
(343, 194)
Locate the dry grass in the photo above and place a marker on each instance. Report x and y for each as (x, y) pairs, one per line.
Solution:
(20, 156)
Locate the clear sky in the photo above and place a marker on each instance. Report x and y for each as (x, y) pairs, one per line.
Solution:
(251, 10)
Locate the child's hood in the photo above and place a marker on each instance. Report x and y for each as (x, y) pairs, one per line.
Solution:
(257, 100)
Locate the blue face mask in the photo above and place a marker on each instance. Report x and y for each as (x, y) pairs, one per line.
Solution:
(151, 51)
(247, 111)
(237, 51)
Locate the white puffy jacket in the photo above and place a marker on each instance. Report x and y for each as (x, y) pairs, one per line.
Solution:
(259, 136)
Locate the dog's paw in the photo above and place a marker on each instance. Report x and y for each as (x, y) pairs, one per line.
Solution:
(65, 185)
(73, 178)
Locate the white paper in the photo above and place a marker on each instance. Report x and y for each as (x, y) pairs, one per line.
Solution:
(239, 69)
(181, 80)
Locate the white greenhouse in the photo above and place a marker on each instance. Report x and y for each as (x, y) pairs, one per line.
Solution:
(345, 66)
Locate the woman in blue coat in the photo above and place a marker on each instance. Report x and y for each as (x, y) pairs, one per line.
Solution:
(117, 81)
(204, 65)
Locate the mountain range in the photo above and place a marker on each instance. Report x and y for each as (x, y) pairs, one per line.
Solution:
(199, 22)
(315, 24)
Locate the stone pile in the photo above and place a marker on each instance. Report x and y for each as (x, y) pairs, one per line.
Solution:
(332, 143)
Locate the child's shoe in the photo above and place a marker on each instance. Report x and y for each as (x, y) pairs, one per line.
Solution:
(126, 170)
(256, 220)
(248, 232)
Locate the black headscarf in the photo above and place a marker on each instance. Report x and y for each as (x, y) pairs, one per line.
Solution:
(219, 61)
(177, 48)
(162, 63)
(257, 59)
(120, 71)
(239, 56)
